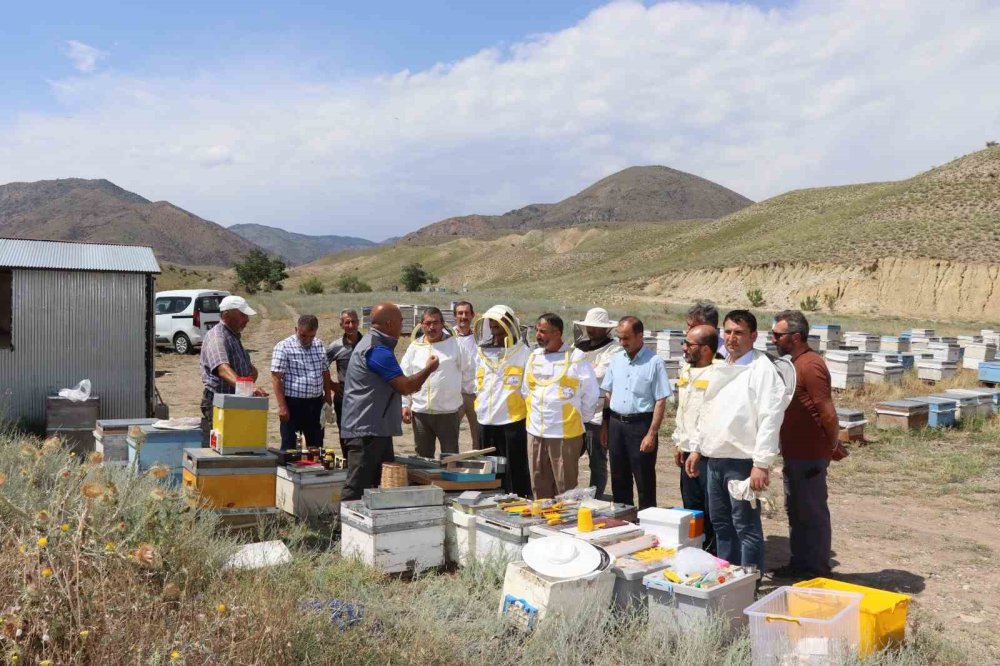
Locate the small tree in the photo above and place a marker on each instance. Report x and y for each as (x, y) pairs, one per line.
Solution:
(311, 286)
(830, 300)
(257, 271)
(809, 304)
(756, 297)
(413, 276)
(351, 284)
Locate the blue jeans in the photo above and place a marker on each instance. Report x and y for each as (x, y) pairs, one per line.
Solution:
(598, 457)
(739, 534)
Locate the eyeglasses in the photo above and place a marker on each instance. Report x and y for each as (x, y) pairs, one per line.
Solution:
(777, 336)
(686, 343)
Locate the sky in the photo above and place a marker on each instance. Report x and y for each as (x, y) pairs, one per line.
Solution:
(373, 119)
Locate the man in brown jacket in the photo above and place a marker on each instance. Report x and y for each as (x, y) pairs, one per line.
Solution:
(808, 439)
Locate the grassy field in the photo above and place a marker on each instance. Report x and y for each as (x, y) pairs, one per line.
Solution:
(100, 567)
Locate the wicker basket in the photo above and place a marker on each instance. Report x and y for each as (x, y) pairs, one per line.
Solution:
(394, 475)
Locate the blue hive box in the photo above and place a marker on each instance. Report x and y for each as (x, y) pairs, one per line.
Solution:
(989, 372)
(148, 446)
(941, 411)
(907, 361)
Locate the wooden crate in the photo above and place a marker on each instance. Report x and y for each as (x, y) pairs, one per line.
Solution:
(309, 494)
(231, 481)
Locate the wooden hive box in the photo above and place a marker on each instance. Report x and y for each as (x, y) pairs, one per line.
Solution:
(906, 414)
(239, 424)
(309, 493)
(231, 481)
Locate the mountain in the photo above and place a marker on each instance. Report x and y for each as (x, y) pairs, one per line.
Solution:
(99, 211)
(636, 194)
(927, 246)
(296, 248)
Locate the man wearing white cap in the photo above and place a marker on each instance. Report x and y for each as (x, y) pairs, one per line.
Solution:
(592, 336)
(223, 358)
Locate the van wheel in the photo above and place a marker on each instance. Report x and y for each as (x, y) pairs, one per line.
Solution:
(182, 345)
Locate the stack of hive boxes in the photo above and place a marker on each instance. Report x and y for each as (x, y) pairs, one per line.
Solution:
(883, 372)
(919, 338)
(852, 424)
(669, 348)
(847, 368)
(237, 471)
(828, 334)
(991, 336)
(943, 363)
(765, 344)
(978, 352)
(893, 344)
(864, 341)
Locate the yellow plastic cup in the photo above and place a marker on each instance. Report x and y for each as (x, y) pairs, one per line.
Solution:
(584, 520)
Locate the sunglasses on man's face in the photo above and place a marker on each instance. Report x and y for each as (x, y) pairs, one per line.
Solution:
(778, 335)
(688, 343)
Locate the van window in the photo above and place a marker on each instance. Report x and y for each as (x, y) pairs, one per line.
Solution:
(172, 305)
(6, 309)
(209, 304)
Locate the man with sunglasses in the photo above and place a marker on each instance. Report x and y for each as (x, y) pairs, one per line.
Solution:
(808, 439)
(699, 346)
(745, 404)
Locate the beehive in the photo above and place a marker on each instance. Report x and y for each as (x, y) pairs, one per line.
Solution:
(239, 424)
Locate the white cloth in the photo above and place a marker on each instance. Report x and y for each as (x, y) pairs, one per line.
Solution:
(560, 393)
(469, 347)
(691, 387)
(599, 360)
(442, 392)
(498, 384)
(741, 490)
(743, 410)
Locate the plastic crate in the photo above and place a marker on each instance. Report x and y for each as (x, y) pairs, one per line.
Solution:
(883, 614)
(804, 626)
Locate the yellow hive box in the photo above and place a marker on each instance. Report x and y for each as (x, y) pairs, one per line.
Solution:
(239, 424)
(231, 481)
(883, 614)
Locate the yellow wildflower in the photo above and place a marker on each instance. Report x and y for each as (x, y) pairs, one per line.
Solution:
(175, 655)
(84, 633)
(45, 662)
(110, 547)
(14, 659)
(220, 608)
(47, 572)
(64, 527)
(43, 542)
(23, 549)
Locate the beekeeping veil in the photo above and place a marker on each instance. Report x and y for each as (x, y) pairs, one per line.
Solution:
(490, 349)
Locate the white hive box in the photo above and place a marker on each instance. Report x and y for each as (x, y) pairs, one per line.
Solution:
(968, 403)
(885, 357)
(460, 537)
(671, 526)
(863, 341)
(945, 351)
(525, 588)
(842, 380)
(976, 353)
(673, 367)
(877, 372)
(311, 493)
(892, 344)
(936, 370)
(393, 540)
(669, 343)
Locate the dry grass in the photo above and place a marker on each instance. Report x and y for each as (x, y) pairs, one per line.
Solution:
(99, 567)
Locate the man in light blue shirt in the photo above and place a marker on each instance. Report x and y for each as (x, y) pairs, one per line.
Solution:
(637, 387)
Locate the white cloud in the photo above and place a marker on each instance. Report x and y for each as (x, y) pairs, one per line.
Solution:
(84, 56)
(759, 101)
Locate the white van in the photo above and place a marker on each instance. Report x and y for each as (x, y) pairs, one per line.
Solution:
(183, 316)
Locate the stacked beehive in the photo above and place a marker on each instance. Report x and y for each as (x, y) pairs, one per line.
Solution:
(237, 471)
(847, 368)
(111, 439)
(865, 342)
(894, 344)
(828, 334)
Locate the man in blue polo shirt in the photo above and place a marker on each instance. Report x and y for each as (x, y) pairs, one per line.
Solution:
(373, 404)
(637, 387)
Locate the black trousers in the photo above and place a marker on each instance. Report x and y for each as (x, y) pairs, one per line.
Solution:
(629, 464)
(809, 528)
(694, 495)
(365, 456)
(511, 441)
(303, 416)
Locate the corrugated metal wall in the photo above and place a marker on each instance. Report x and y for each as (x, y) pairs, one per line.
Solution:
(73, 325)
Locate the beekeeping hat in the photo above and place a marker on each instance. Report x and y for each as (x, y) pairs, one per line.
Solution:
(505, 317)
(598, 318)
(561, 557)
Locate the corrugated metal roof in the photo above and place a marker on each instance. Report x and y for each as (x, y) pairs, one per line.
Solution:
(21, 253)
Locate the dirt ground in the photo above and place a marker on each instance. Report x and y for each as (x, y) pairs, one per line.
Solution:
(939, 547)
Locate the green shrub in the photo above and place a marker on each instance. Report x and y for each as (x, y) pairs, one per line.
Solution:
(311, 286)
(756, 297)
(809, 304)
(351, 284)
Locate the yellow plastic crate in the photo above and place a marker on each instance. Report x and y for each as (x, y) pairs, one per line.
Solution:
(883, 614)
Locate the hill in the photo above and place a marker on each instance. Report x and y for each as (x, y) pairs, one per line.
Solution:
(101, 212)
(928, 245)
(297, 248)
(636, 194)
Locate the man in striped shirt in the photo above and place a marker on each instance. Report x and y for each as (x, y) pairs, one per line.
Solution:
(300, 375)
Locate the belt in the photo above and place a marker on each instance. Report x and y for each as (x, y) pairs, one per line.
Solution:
(632, 418)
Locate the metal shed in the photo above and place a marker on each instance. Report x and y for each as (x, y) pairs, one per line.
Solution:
(72, 311)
